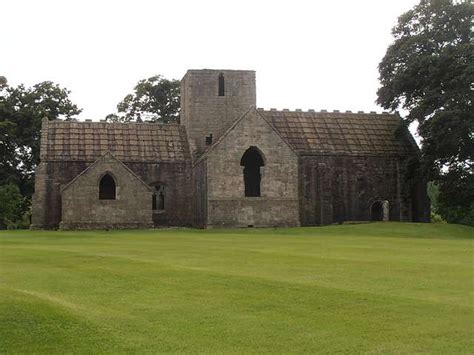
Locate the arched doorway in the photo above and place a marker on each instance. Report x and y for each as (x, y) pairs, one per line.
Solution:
(252, 160)
(376, 211)
(379, 211)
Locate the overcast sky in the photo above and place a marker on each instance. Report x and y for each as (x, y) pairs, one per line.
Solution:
(307, 54)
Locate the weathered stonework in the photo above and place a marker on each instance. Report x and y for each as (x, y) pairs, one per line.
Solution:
(335, 189)
(226, 201)
(157, 153)
(229, 164)
(204, 112)
(82, 208)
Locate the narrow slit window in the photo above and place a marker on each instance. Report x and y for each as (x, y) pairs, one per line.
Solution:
(158, 202)
(221, 85)
(107, 188)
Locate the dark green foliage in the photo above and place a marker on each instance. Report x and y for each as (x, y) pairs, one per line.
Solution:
(433, 193)
(457, 185)
(11, 203)
(21, 112)
(155, 99)
(459, 188)
(429, 71)
(112, 117)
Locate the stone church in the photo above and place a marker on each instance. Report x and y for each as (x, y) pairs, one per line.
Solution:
(227, 164)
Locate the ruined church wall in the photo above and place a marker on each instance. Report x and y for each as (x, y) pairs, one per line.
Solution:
(227, 204)
(342, 188)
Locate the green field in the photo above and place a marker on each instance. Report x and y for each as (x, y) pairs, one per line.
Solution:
(382, 287)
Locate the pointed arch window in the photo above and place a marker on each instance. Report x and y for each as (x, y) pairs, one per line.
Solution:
(107, 188)
(252, 160)
(158, 202)
(221, 85)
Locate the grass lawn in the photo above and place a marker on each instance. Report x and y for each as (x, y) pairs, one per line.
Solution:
(382, 287)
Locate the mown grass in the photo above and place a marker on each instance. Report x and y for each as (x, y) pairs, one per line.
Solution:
(382, 287)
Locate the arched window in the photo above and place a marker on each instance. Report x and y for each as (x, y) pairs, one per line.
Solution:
(107, 188)
(221, 89)
(376, 211)
(158, 202)
(252, 160)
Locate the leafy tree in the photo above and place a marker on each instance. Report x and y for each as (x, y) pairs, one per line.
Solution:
(433, 194)
(21, 112)
(456, 196)
(11, 202)
(429, 70)
(155, 99)
(113, 117)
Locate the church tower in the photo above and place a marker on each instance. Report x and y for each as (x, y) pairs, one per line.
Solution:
(211, 100)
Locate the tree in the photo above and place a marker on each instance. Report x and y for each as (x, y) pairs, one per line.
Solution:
(155, 99)
(10, 205)
(428, 71)
(21, 112)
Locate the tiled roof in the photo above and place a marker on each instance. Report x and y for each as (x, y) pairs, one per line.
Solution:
(128, 142)
(337, 133)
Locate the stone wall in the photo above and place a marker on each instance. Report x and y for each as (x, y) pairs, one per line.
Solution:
(204, 112)
(200, 193)
(343, 188)
(178, 190)
(176, 177)
(327, 168)
(227, 204)
(49, 177)
(82, 208)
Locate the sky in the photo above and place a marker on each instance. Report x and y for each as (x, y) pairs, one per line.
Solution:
(307, 54)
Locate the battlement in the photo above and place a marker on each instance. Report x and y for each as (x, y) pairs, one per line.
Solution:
(324, 111)
(206, 72)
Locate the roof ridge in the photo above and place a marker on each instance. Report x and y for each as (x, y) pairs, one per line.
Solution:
(88, 121)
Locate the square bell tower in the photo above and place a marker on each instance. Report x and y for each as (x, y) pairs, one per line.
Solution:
(211, 100)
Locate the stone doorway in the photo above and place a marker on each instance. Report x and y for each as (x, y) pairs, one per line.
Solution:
(379, 211)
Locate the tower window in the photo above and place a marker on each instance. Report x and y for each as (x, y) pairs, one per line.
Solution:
(107, 188)
(252, 161)
(158, 202)
(221, 85)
